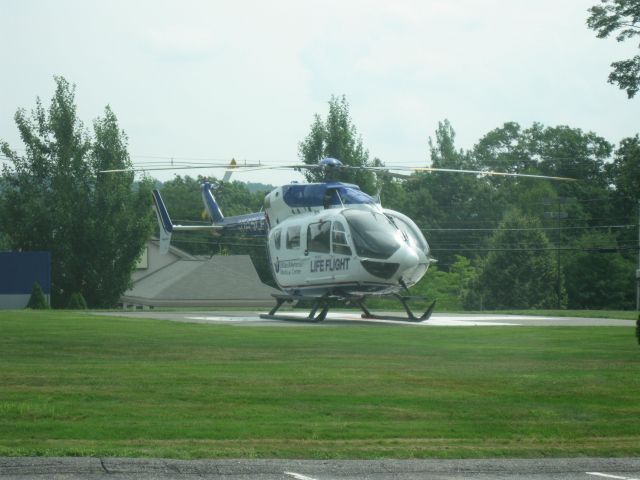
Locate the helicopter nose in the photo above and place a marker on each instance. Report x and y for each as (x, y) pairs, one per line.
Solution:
(413, 266)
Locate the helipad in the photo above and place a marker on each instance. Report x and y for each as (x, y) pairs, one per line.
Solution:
(353, 318)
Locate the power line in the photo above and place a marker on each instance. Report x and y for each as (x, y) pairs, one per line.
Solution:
(537, 249)
(426, 230)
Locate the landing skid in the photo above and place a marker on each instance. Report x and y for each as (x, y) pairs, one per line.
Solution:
(411, 317)
(313, 317)
(322, 304)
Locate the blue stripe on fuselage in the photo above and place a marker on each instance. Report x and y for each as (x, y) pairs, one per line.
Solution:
(253, 224)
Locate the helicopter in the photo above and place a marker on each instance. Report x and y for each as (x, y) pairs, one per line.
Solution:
(329, 241)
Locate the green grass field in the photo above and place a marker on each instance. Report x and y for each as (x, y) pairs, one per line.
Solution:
(77, 384)
(620, 314)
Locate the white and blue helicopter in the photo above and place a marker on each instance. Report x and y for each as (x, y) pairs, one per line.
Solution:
(329, 240)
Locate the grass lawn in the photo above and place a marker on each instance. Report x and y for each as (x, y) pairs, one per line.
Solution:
(76, 384)
(621, 314)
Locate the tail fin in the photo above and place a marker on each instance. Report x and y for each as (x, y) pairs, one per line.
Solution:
(210, 204)
(166, 227)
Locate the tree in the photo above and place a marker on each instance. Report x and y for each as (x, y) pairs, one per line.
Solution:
(443, 202)
(624, 173)
(557, 151)
(520, 270)
(337, 137)
(94, 225)
(597, 275)
(622, 17)
(119, 216)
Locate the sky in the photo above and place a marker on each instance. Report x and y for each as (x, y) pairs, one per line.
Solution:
(220, 79)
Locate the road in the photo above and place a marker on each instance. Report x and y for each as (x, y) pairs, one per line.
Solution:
(143, 469)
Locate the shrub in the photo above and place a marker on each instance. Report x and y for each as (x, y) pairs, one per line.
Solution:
(37, 301)
(76, 302)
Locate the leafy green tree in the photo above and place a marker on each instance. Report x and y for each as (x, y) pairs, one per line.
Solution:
(94, 225)
(520, 270)
(597, 275)
(623, 18)
(337, 137)
(443, 203)
(571, 152)
(557, 151)
(624, 173)
(120, 219)
(507, 149)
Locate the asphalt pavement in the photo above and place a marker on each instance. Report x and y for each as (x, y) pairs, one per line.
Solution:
(69, 468)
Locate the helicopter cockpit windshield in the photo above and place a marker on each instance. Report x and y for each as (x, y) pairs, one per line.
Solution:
(415, 238)
(353, 196)
(374, 235)
(325, 194)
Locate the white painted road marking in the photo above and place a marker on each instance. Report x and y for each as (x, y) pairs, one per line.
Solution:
(606, 475)
(298, 476)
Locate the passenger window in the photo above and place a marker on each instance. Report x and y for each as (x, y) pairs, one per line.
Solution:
(340, 244)
(276, 239)
(293, 237)
(318, 237)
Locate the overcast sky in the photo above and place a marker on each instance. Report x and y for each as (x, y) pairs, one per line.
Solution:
(243, 79)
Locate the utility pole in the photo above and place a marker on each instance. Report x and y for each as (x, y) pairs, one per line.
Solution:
(638, 270)
(558, 215)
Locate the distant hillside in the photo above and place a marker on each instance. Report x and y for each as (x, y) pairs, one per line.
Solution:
(251, 186)
(258, 187)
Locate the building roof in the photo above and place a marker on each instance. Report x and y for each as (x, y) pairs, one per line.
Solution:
(218, 281)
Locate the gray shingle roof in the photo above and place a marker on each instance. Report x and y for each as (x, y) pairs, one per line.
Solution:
(220, 280)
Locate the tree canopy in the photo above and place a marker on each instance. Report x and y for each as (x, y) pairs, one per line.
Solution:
(337, 137)
(520, 270)
(622, 18)
(501, 242)
(53, 198)
(522, 235)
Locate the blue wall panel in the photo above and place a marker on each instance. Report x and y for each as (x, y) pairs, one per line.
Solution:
(19, 270)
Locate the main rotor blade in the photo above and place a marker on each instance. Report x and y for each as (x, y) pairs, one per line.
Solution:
(246, 167)
(388, 170)
(489, 172)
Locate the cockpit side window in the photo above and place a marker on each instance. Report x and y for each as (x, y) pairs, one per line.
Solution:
(318, 236)
(277, 234)
(339, 239)
(293, 237)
